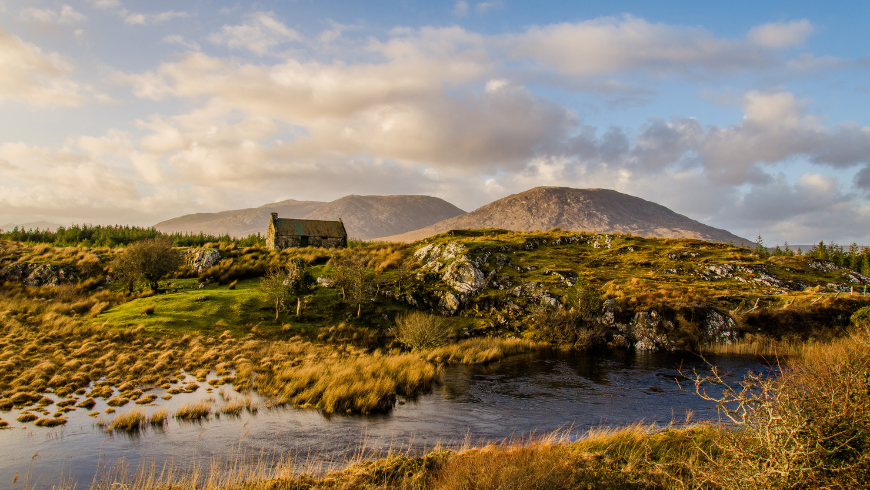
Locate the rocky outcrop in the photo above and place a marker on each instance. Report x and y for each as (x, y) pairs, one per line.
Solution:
(203, 258)
(464, 277)
(40, 274)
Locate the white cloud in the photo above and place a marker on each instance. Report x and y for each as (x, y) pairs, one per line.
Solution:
(606, 46)
(779, 35)
(484, 7)
(262, 32)
(460, 9)
(134, 18)
(64, 15)
(30, 75)
(178, 39)
(106, 4)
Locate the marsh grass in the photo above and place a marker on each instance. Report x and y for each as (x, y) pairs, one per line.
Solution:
(158, 417)
(130, 421)
(759, 347)
(481, 350)
(197, 410)
(50, 421)
(26, 417)
(235, 405)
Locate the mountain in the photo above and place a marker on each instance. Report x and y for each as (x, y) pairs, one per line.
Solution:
(368, 217)
(364, 217)
(42, 225)
(239, 222)
(595, 210)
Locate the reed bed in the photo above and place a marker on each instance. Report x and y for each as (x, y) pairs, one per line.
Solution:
(759, 347)
(481, 350)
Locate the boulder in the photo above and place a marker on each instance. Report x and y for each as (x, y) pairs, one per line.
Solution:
(464, 277)
(203, 258)
(650, 331)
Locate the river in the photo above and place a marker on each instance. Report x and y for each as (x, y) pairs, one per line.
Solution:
(520, 396)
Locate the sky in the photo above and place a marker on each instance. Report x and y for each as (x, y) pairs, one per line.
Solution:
(748, 116)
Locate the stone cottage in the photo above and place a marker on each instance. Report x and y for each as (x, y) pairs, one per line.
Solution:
(288, 232)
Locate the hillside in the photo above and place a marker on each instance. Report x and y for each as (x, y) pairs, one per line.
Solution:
(238, 222)
(368, 217)
(592, 210)
(365, 217)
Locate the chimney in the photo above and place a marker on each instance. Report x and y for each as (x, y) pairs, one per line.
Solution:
(274, 216)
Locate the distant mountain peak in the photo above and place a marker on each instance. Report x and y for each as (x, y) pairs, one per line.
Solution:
(593, 210)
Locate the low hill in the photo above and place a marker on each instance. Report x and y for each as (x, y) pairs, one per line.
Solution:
(368, 217)
(592, 210)
(238, 222)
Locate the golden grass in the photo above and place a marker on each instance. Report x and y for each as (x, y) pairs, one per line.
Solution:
(481, 350)
(159, 417)
(50, 422)
(234, 406)
(760, 347)
(26, 417)
(130, 421)
(195, 410)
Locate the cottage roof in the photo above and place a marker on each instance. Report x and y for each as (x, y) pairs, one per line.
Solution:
(310, 227)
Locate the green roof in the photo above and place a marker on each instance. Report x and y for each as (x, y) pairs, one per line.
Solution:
(310, 227)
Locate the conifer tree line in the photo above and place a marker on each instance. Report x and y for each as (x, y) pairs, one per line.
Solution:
(118, 236)
(854, 257)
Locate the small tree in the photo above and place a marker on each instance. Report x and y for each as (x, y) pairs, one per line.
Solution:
(419, 330)
(354, 278)
(760, 249)
(299, 282)
(146, 261)
(275, 287)
(585, 299)
(281, 284)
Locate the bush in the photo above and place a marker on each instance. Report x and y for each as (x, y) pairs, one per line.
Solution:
(148, 310)
(861, 318)
(419, 330)
(146, 261)
(808, 427)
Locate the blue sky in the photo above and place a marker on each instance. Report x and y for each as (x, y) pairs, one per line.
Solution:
(747, 116)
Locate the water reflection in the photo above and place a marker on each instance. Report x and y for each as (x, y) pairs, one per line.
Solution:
(524, 394)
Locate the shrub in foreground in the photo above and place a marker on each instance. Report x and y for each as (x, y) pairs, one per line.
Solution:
(419, 330)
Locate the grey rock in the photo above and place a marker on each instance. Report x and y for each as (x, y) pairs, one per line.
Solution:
(464, 277)
(203, 258)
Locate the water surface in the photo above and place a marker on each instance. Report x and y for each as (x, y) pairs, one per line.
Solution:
(522, 395)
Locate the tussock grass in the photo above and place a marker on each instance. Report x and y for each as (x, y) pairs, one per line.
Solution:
(235, 405)
(130, 421)
(26, 417)
(50, 422)
(159, 417)
(194, 410)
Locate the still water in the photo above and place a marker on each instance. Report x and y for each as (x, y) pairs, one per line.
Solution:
(520, 396)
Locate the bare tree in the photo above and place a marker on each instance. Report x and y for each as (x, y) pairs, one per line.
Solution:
(355, 279)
